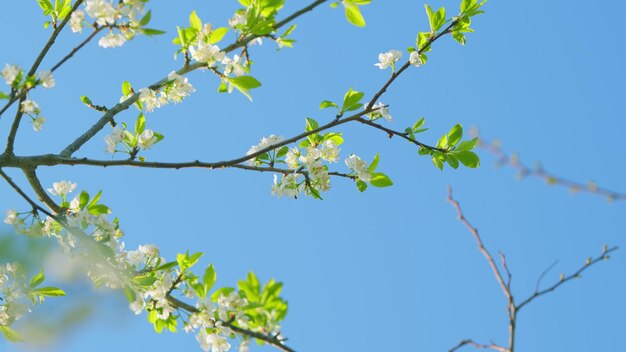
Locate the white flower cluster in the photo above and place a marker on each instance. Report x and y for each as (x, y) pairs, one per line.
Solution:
(12, 291)
(122, 15)
(265, 143)
(318, 177)
(10, 74)
(359, 166)
(213, 335)
(212, 55)
(391, 57)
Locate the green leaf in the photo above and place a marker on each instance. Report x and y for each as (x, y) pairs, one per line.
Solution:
(374, 163)
(454, 135)
(45, 5)
(131, 295)
(328, 104)
(459, 37)
(4, 95)
(144, 280)
(244, 84)
(95, 199)
(311, 124)
(335, 137)
(98, 209)
(217, 35)
(126, 88)
(50, 291)
(467, 145)
(380, 180)
(140, 124)
(437, 161)
(151, 31)
(145, 19)
(353, 14)
(452, 161)
(83, 199)
(351, 100)
(37, 279)
(467, 158)
(209, 278)
(165, 266)
(194, 21)
(222, 291)
(11, 334)
(362, 186)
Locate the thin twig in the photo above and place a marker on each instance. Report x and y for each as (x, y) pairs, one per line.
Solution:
(524, 170)
(590, 262)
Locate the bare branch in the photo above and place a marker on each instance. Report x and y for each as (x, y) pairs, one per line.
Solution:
(524, 170)
(588, 263)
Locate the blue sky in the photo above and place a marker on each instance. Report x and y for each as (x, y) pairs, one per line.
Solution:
(389, 269)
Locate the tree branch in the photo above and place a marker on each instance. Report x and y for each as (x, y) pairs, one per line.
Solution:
(513, 161)
(266, 338)
(32, 178)
(110, 114)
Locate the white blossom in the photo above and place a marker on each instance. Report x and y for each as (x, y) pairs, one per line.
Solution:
(62, 188)
(10, 73)
(292, 157)
(212, 342)
(239, 19)
(415, 59)
(206, 53)
(388, 58)
(11, 217)
(151, 99)
(380, 110)
(330, 151)
(38, 123)
(76, 21)
(359, 166)
(47, 81)
(102, 11)
(112, 40)
(30, 107)
(265, 143)
(113, 139)
(179, 88)
(147, 139)
(233, 66)
(287, 187)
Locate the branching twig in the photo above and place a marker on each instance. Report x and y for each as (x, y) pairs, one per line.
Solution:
(538, 171)
(513, 308)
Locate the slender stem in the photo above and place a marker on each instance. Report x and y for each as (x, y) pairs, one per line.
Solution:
(77, 48)
(24, 195)
(403, 135)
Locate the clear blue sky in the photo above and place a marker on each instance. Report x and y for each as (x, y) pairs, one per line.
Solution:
(389, 269)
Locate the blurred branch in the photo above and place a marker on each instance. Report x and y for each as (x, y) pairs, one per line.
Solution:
(513, 161)
(513, 308)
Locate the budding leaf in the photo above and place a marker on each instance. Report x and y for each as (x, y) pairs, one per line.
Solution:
(37, 279)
